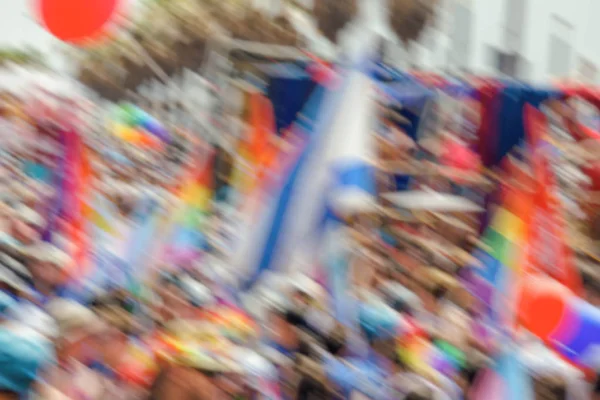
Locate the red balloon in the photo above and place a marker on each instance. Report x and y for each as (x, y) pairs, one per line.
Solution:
(547, 311)
(542, 307)
(76, 21)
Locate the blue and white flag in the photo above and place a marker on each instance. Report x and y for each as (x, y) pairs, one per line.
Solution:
(334, 168)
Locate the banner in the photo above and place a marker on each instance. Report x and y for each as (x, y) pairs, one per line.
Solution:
(78, 211)
(548, 251)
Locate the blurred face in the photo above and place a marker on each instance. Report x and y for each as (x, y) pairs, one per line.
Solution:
(405, 280)
(301, 299)
(46, 273)
(174, 301)
(111, 344)
(80, 346)
(464, 299)
(24, 232)
(283, 332)
(63, 225)
(593, 297)
(426, 297)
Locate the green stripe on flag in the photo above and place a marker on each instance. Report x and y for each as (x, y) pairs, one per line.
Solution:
(502, 249)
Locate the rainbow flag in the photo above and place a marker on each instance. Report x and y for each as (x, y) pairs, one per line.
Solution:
(196, 194)
(507, 239)
(195, 201)
(255, 150)
(74, 207)
(99, 214)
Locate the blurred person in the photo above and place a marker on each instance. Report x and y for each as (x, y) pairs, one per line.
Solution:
(591, 286)
(433, 298)
(283, 335)
(592, 291)
(312, 389)
(406, 384)
(197, 375)
(7, 305)
(398, 292)
(258, 377)
(174, 303)
(363, 377)
(121, 337)
(282, 342)
(15, 279)
(552, 375)
(197, 296)
(47, 265)
(223, 161)
(23, 230)
(24, 353)
(550, 388)
(178, 382)
(77, 349)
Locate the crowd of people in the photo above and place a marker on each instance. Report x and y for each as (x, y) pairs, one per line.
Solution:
(183, 331)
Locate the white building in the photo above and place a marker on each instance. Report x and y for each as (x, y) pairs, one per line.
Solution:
(536, 40)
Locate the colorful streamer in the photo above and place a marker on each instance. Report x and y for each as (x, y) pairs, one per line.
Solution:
(185, 237)
(135, 126)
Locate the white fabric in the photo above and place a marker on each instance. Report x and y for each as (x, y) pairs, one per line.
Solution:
(541, 361)
(117, 243)
(398, 292)
(34, 318)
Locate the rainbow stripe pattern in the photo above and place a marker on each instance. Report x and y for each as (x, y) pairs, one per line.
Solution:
(506, 238)
(195, 199)
(255, 149)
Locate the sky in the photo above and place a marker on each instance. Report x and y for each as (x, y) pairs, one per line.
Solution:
(19, 28)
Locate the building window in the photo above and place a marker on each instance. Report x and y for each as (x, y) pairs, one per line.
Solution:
(587, 70)
(559, 56)
(505, 63)
(515, 21)
(559, 62)
(460, 50)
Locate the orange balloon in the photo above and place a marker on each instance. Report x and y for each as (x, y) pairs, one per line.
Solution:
(76, 21)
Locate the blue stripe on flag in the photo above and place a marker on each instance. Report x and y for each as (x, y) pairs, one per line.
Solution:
(359, 175)
(313, 123)
(356, 175)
